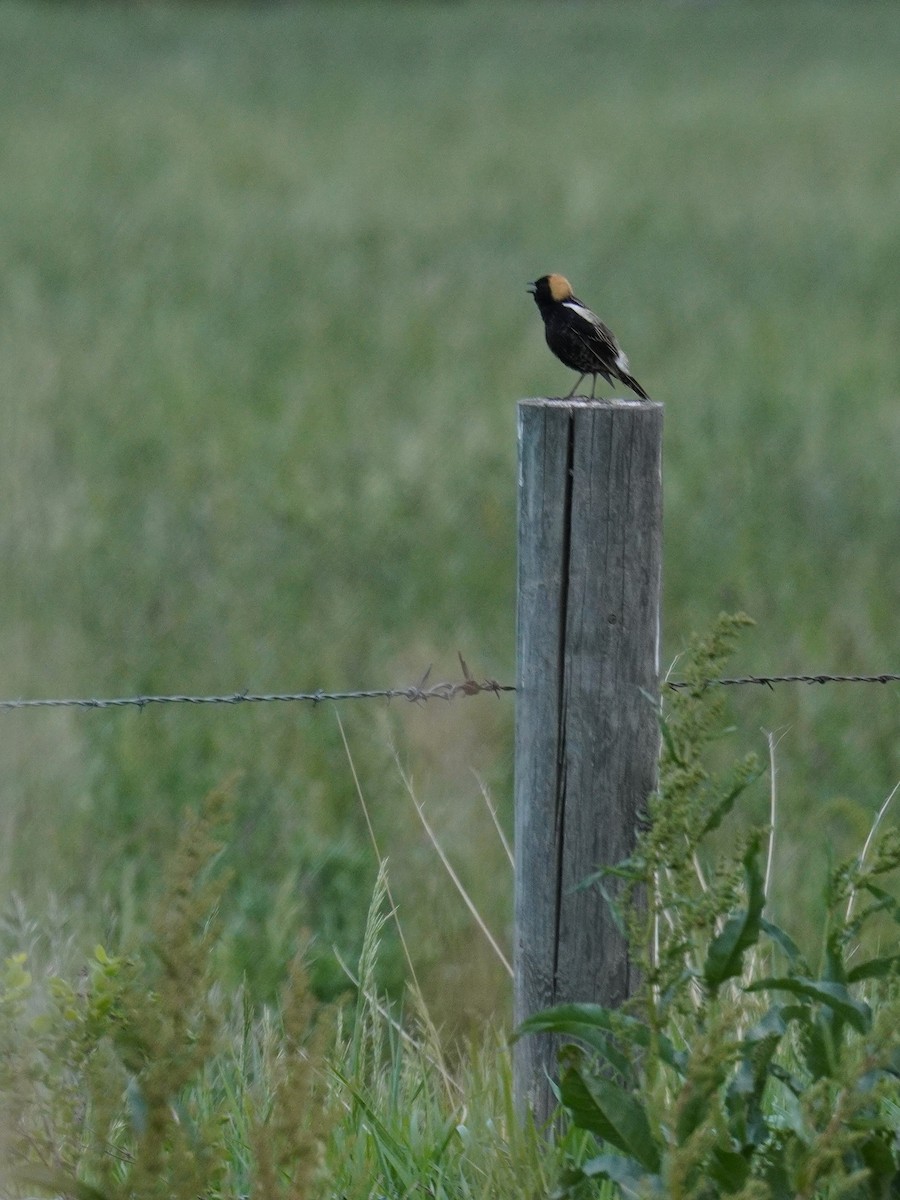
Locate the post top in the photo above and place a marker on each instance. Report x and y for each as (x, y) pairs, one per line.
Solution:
(579, 402)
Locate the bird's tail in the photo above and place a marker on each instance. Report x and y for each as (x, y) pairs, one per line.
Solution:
(630, 381)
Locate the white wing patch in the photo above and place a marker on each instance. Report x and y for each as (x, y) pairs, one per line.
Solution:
(584, 313)
(622, 361)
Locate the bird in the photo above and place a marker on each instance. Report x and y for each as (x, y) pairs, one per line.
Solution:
(578, 337)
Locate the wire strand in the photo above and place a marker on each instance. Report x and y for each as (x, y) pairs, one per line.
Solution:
(769, 680)
(418, 693)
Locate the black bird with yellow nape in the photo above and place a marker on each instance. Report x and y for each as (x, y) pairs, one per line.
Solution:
(578, 337)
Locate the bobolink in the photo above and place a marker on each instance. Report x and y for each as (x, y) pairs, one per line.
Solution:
(578, 337)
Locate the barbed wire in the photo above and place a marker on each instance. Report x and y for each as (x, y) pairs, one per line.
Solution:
(417, 693)
(676, 685)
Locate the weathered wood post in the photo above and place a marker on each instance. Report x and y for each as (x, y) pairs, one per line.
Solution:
(587, 739)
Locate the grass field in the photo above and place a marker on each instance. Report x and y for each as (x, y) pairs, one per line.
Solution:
(263, 324)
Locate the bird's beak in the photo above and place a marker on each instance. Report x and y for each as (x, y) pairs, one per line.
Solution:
(531, 289)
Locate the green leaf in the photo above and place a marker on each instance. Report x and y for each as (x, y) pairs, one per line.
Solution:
(744, 1098)
(614, 908)
(633, 869)
(593, 1023)
(670, 745)
(886, 902)
(834, 996)
(729, 1169)
(832, 968)
(875, 1152)
(395, 1156)
(624, 1172)
(795, 1084)
(622, 1063)
(874, 968)
(776, 1170)
(819, 1046)
(613, 1114)
(693, 1103)
(725, 956)
(726, 804)
(783, 941)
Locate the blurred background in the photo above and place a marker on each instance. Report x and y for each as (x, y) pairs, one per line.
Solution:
(263, 327)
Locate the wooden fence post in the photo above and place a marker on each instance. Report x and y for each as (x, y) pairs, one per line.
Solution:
(587, 739)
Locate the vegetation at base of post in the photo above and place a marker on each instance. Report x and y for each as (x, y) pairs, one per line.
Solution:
(744, 1066)
(141, 1076)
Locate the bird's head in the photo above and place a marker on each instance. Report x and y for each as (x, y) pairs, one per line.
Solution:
(550, 289)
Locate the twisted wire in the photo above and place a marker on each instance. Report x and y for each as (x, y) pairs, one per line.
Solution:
(418, 693)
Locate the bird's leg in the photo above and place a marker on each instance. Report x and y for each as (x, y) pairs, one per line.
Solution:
(572, 393)
(593, 385)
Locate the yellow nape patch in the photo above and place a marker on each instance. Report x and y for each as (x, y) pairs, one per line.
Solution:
(560, 288)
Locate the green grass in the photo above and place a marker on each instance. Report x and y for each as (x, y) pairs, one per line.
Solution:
(147, 1079)
(262, 329)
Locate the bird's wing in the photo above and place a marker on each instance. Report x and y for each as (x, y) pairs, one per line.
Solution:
(599, 338)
